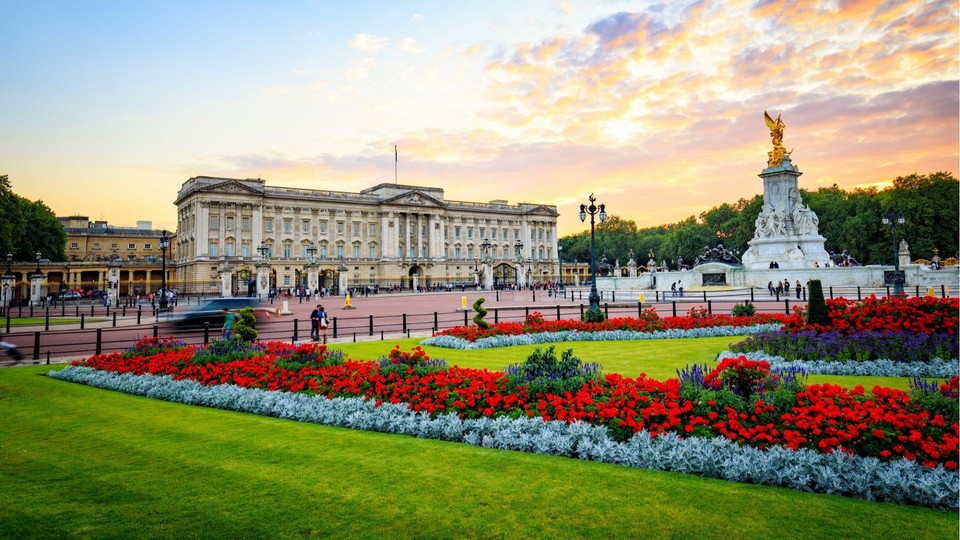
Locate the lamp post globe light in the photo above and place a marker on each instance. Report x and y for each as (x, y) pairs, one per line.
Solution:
(593, 210)
(164, 242)
(892, 218)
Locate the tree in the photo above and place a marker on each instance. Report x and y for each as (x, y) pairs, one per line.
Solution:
(28, 227)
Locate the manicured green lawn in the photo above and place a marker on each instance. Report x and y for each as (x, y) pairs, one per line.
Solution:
(78, 462)
(659, 359)
(35, 321)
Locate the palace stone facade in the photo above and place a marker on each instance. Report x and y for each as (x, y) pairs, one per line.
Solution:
(386, 235)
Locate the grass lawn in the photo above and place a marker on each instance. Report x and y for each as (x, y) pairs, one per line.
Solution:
(659, 359)
(79, 462)
(36, 321)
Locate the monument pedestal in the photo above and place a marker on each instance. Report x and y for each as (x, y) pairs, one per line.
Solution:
(786, 229)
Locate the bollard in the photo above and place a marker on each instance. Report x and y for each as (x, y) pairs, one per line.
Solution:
(296, 329)
(465, 323)
(435, 325)
(156, 331)
(581, 312)
(381, 335)
(354, 337)
(371, 325)
(751, 294)
(709, 307)
(81, 320)
(558, 312)
(831, 291)
(614, 294)
(404, 327)
(704, 296)
(63, 309)
(139, 312)
(46, 323)
(114, 318)
(99, 340)
(498, 295)
(48, 358)
(526, 312)
(91, 310)
(206, 332)
(334, 328)
(77, 307)
(534, 295)
(786, 307)
(124, 312)
(640, 309)
(606, 310)
(860, 297)
(674, 308)
(496, 317)
(36, 345)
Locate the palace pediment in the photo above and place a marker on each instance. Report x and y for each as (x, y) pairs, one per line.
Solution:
(230, 187)
(414, 198)
(541, 211)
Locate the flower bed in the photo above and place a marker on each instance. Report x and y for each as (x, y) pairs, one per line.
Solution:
(926, 315)
(900, 330)
(849, 420)
(648, 322)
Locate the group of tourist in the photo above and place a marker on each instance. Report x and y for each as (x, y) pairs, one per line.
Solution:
(783, 288)
(676, 288)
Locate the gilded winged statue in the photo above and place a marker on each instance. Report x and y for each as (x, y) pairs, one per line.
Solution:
(776, 133)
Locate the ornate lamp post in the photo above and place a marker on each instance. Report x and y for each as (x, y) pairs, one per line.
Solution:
(560, 258)
(39, 256)
(164, 242)
(9, 282)
(892, 218)
(593, 210)
(519, 247)
(263, 272)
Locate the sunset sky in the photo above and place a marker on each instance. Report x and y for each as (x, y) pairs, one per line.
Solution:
(107, 107)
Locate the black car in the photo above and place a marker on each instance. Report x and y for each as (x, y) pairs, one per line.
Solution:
(212, 312)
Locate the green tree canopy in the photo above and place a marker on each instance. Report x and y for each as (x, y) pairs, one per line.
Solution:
(28, 227)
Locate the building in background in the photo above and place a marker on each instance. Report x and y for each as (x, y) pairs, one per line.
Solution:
(387, 235)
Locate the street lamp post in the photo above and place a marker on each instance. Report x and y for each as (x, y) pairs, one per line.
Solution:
(892, 218)
(519, 247)
(593, 210)
(164, 242)
(560, 258)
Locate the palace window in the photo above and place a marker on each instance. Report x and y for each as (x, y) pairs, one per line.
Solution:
(228, 249)
(373, 252)
(214, 248)
(323, 227)
(287, 225)
(323, 252)
(132, 246)
(373, 230)
(356, 228)
(268, 225)
(245, 249)
(340, 251)
(287, 250)
(305, 226)
(356, 252)
(229, 223)
(147, 247)
(96, 245)
(245, 224)
(339, 227)
(74, 245)
(214, 221)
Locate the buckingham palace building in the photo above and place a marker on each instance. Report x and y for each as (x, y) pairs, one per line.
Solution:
(242, 237)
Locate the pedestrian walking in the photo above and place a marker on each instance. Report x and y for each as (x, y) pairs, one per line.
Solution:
(315, 323)
(770, 287)
(680, 287)
(11, 350)
(228, 319)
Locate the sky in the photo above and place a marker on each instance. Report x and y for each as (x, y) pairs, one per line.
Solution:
(108, 107)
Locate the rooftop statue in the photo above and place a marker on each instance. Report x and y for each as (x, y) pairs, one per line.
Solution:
(775, 156)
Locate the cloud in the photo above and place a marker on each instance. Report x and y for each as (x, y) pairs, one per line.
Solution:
(409, 45)
(416, 17)
(368, 43)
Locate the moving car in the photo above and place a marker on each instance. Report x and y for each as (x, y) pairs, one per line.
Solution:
(70, 295)
(212, 312)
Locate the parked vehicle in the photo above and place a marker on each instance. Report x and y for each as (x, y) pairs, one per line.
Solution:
(70, 295)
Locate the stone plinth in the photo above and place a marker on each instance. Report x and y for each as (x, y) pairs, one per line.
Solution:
(786, 231)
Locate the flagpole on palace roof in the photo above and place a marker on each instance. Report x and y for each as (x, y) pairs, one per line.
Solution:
(396, 160)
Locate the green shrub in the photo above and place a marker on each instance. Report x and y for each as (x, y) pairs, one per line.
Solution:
(481, 313)
(542, 373)
(594, 316)
(225, 350)
(311, 355)
(816, 305)
(243, 328)
(746, 309)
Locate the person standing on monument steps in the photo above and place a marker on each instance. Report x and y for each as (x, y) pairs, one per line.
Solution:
(680, 286)
(799, 288)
